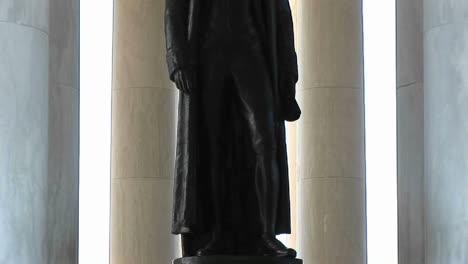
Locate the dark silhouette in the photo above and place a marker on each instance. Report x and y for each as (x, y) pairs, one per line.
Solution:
(235, 65)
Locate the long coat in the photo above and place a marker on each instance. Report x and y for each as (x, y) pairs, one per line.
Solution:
(182, 19)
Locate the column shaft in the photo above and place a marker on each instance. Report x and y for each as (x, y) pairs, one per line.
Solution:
(38, 132)
(331, 172)
(446, 130)
(410, 123)
(143, 137)
(24, 43)
(64, 95)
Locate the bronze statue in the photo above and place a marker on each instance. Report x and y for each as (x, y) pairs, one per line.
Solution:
(235, 65)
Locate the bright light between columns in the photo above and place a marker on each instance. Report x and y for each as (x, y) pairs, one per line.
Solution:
(95, 129)
(380, 93)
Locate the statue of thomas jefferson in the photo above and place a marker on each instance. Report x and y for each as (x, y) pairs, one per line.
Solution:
(235, 65)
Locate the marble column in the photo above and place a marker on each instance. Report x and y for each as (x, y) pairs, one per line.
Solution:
(143, 137)
(331, 166)
(38, 132)
(62, 200)
(291, 133)
(446, 130)
(24, 83)
(410, 123)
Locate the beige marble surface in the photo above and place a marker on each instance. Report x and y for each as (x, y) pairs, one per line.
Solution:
(143, 133)
(139, 44)
(330, 154)
(332, 220)
(143, 137)
(141, 216)
(330, 42)
(329, 129)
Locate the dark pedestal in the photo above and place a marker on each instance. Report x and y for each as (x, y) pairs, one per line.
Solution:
(236, 260)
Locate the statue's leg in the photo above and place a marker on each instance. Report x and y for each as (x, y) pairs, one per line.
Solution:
(213, 109)
(255, 92)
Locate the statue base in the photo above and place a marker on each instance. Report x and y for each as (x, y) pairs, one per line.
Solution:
(236, 260)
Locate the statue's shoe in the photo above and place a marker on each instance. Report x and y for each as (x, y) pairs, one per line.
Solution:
(214, 247)
(272, 247)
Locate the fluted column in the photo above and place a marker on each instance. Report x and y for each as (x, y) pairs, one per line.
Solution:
(143, 137)
(410, 123)
(331, 167)
(446, 130)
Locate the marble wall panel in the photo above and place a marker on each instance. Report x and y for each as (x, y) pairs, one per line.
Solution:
(23, 144)
(31, 13)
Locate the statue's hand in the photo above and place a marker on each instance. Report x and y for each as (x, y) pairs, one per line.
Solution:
(185, 80)
(289, 106)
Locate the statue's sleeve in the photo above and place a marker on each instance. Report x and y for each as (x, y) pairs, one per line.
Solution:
(287, 57)
(176, 17)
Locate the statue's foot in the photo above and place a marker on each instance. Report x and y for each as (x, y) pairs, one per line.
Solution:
(214, 247)
(272, 247)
